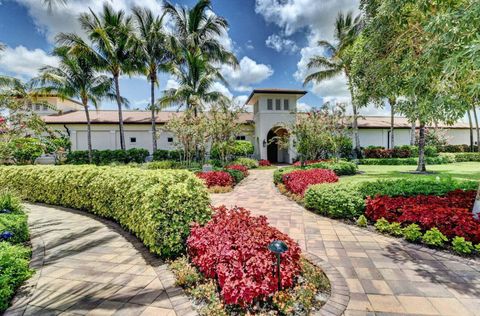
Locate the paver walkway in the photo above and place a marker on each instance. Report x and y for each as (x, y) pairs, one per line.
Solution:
(88, 266)
(385, 275)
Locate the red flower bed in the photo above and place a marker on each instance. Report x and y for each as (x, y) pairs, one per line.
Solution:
(309, 162)
(232, 248)
(264, 163)
(298, 181)
(216, 178)
(451, 213)
(241, 168)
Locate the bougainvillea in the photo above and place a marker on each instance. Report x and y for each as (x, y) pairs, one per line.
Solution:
(232, 248)
(298, 181)
(241, 168)
(264, 163)
(451, 213)
(216, 178)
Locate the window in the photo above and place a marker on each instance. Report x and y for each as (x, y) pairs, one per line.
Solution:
(170, 139)
(278, 105)
(45, 107)
(133, 140)
(37, 107)
(286, 106)
(270, 104)
(241, 137)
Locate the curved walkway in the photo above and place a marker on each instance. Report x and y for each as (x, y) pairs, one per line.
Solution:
(88, 266)
(385, 276)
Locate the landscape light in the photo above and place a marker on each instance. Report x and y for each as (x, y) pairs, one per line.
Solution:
(278, 247)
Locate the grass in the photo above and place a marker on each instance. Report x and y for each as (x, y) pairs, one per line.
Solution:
(460, 171)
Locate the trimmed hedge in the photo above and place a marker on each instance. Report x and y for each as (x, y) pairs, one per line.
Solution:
(163, 154)
(465, 157)
(105, 157)
(341, 168)
(345, 200)
(440, 160)
(157, 206)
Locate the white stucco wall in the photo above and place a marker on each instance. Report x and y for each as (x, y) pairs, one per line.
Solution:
(379, 137)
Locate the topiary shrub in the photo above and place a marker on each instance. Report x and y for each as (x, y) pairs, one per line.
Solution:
(412, 233)
(461, 246)
(156, 206)
(335, 200)
(247, 162)
(433, 237)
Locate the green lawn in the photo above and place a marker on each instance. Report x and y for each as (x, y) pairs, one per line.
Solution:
(461, 171)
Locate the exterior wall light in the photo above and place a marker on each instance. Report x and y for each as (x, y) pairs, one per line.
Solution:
(264, 143)
(278, 247)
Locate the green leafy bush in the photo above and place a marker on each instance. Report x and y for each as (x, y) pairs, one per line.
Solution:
(237, 175)
(14, 263)
(247, 162)
(157, 206)
(242, 148)
(162, 154)
(440, 160)
(454, 148)
(395, 229)
(17, 225)
(431, 151)
(164, 164)
(105, 157)
(362, 221)
(477, 248)
(278, 174)
(412, 233)
(185, 273)
(461, 246)
(382, 225)
(11, 203)
(433, 237)
(26, 150)
(465, 157)
(338, 201)
(341, 168)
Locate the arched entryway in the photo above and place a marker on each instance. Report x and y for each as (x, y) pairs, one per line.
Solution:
(276, 154)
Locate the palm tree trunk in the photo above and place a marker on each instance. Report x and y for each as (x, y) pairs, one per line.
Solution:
(392, 122)
(152, 108)
(89, 131)
(356, 136)
(476, 127)
(421, 148)
(120, 114)
(476, 206)
(471, 129)
(412, 133)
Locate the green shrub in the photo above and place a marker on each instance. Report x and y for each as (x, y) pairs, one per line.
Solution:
(26, 150)
(162, 154)
(382, 225)
(412, 233)
(338, 201)
(362, 221)
(450, 157)
(454, 148)
(278, 174)
(341, 168)
(14, 263)
(242, 148)
(461, 246)
(157, 206)
(186, 274)
(237, 175)
(431, 151)
(414, 186)
(164, 164)
(17, 225)
(247, 162)
(11, 203)
(433, 237)
(440, 160)
(465, 157)
(106, 157)
(395, 229)
(477, 248)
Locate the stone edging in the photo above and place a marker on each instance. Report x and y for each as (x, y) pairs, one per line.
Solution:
(340, 294)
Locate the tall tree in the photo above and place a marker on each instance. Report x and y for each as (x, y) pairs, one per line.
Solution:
(76, 77)
(112, 50)
(335, 61)
(477, 128)
(152, 48)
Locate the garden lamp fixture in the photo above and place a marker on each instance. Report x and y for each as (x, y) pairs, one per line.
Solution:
(264, 143)
(278, 247)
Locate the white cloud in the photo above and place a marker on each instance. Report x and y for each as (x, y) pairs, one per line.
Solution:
(219, 87)
(172, 84)
(64, 18)
(281, 44)
(249, 45)
(22, 62)
(249, 72)
(303, 107)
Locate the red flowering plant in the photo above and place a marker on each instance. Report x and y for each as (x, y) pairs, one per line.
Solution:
(241, 168)
(264, 163)
(216, 178)
(233, 249)
(298, 181)
(450, 213)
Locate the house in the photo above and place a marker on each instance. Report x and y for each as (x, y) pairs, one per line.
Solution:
(270, 110)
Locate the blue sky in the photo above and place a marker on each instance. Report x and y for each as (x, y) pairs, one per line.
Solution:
(272, 39)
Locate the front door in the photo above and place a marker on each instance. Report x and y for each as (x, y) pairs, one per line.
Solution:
(272, 147)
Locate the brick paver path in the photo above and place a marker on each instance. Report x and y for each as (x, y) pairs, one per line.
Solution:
(386, 276)
(87, 266)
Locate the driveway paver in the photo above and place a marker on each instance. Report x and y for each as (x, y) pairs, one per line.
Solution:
(89, 266)
(385, 276)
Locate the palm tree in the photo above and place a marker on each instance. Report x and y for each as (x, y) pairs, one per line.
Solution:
(2, 47)
(153, 51)
(112, 50)
(76, 77)
(335, 63)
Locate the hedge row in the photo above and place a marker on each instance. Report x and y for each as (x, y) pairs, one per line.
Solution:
(105, 157)
(340, 168)
(345, 200)
(443, 158)
(156, 206)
